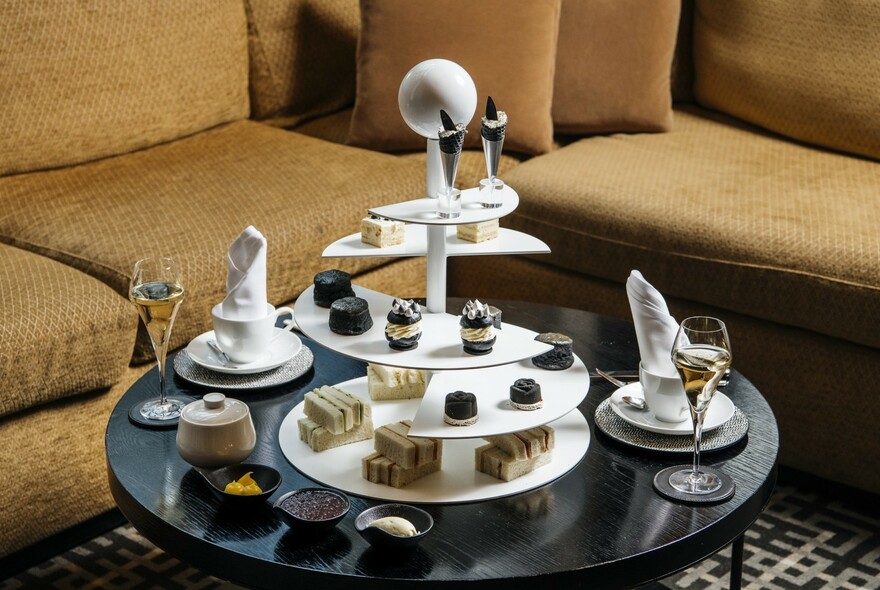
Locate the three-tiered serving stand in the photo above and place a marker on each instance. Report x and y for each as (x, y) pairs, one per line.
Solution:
(440, 353)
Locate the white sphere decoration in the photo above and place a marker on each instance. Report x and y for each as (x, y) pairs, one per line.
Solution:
(432, 85)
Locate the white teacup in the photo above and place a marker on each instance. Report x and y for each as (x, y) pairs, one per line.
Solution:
(664, 395)
(245, 341)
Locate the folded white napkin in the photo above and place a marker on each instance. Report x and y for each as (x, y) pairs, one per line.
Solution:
(655, 328)
(246, 277)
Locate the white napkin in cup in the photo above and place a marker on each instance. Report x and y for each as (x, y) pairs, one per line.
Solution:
(246, 277)
(655, 328)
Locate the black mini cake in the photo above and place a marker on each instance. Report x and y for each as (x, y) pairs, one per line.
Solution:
(525, 394)
(331, 285)
(350, 316)
(477, 328)
(404, 327)
(561, 357)
(460, 409)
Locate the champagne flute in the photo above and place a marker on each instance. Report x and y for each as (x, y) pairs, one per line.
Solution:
(157, 291)
(701, 353)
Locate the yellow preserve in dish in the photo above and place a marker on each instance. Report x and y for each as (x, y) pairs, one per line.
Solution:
(245, 486)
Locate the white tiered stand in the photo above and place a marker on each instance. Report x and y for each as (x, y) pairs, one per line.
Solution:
(440, 352)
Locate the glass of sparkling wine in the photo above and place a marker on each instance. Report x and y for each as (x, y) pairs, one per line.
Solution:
(157, 291)
(701, 353)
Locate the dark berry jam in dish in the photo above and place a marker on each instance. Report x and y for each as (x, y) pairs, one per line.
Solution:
(314, 505)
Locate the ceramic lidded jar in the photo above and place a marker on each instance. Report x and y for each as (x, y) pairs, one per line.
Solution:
(215, 431)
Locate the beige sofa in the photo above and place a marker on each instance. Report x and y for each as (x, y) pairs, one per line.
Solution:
(165, 128)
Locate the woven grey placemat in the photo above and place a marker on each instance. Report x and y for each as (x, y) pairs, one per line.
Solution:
(195, 373)
(729, 433)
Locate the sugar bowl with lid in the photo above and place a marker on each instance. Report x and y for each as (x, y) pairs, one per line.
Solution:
(215, 431)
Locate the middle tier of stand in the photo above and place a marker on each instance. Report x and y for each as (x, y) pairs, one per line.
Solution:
(439, 348)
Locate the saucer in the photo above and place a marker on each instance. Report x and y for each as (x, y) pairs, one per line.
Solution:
(285, 346)
(721, 409)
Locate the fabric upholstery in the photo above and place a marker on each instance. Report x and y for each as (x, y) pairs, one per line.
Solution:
(683, 60)
(61, 331)
(63, 480)
(802, 374)
(810, 71)
(86, 80)
(613, 66)
(302, 56)
(507, 46)
(725, 214)
(189, 199)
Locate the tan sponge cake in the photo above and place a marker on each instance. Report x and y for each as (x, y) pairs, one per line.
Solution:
(509, 456)
(321, 439)
(392, 440)
(388, 383)
(378, 468)
(334, 409)
(478, 232)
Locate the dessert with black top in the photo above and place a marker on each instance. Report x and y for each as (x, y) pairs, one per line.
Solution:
(460, 409)
(561, 357)
(525, 394)
(350, 316)
(477, 328)
(331, 285)
(404, 327)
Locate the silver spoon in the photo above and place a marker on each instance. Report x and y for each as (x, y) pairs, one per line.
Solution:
(636, 402)
(224, 358)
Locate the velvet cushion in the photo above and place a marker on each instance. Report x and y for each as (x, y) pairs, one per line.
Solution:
(508, 47)
(810, 71)
(86, 80)
(613, 66)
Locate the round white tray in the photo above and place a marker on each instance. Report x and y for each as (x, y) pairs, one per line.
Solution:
(439, 348)
(456, 482)
(424, 210)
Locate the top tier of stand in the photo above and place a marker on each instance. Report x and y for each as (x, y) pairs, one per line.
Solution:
(424, 211)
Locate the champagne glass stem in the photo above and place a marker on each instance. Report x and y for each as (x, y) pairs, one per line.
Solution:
(698, 437)
(160, 361)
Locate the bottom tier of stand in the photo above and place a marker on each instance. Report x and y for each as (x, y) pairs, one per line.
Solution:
(457, 481)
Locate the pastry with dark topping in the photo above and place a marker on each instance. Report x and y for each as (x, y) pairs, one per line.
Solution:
(561, 357)
(350, 316)
(404, 327)
(477, 328)
(331, 285)
(460, 409)
(525, 394)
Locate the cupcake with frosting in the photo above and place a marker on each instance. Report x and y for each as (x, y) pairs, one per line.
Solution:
(404, 327)
(477, 328)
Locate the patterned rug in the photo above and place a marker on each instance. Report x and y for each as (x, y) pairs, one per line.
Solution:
(805, 539)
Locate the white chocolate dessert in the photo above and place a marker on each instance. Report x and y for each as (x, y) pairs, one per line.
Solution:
(392, 440)
(380, 232)
(392, 383)
(334, 409)
(478, 232)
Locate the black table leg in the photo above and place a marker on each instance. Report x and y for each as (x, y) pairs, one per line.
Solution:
(736, 562)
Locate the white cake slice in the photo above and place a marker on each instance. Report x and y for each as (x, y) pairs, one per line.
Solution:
(382, 232)
(389, 383)
(478, 232)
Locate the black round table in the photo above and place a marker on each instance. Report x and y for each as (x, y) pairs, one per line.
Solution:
(602, 525)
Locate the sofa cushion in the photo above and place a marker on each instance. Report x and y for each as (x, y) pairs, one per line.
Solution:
(508, 48)
(302, 56)
(83, 81)
(190, 198)
(61, 332)
(808, 70)
(717, 212)
(613, 66)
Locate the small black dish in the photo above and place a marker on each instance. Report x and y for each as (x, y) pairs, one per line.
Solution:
(312, 509)
(266, 477)
(380, 538)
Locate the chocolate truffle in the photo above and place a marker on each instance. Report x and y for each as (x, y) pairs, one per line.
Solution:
(561, 357)
(477, 328)
(350, 316)
(525, 394)
(460, 409)
(404, 327)
(331, 285)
